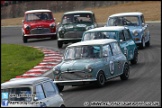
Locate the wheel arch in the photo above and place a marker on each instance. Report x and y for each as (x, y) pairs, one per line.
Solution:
(124, 65)
(136, 48)
(101, 71)
(22, 30)
(62, 105)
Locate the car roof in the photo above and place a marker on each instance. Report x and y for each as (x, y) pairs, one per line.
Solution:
(127, 14)
(23, 81)
(93, 42)
(76, 12)
(109, 28)
(40, 10)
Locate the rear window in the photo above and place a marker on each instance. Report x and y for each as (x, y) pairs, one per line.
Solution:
(16, 94)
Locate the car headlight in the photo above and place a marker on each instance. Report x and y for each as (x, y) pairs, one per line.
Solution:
(89, 27)
(61, 29)
(27, 27)
(135, 33)
(52, 25)
(56, 71)
(89, 68)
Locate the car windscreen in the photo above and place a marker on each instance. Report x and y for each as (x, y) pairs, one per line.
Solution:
(17, 94)
(77, 18)
(38, 16)
(122, 21)
(82, 52)
(100, 35)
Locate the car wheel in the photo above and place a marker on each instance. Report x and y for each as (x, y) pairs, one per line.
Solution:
(148, 43)
(62, 106)
(59, 44)
(135, 58)
(100, 79)
(143, 43)
(25, 39)
(60, 87)
(126, 72)
(43, 104)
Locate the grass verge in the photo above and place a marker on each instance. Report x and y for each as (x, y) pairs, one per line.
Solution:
(17, 59)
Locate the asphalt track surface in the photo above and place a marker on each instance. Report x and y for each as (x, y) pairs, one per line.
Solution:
(143, 86)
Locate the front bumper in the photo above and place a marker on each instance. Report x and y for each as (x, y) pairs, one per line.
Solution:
(69, 39)
(75, 82)
(45, 34)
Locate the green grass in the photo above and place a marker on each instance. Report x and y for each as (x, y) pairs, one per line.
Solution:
(17, 59)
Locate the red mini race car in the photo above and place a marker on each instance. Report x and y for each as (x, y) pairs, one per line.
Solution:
(38, 24)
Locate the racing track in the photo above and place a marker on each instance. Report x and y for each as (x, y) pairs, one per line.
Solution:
(145, 78)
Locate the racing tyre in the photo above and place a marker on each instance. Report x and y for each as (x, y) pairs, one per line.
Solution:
(100, 79)
(62, 106)
(126, 72)
(24, 39)
(135, 58)
(148, 43)
(60, 87)
(59, 44)
(143, 43)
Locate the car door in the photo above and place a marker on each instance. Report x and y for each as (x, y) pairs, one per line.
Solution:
(123, 43)
(108, 61)
(117, 58)
(52, 99)
(40, 93)
(130, 44)
(94, 19)
(45, 94)
(145, 28)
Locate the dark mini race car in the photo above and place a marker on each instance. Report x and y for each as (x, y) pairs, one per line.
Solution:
(73, 25)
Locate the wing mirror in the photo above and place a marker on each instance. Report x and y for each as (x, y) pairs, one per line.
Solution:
(105, 55)
(143, 24)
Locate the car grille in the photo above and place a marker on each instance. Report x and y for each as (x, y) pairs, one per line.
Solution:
(40, 31)
(73, 34)
(72, 76)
